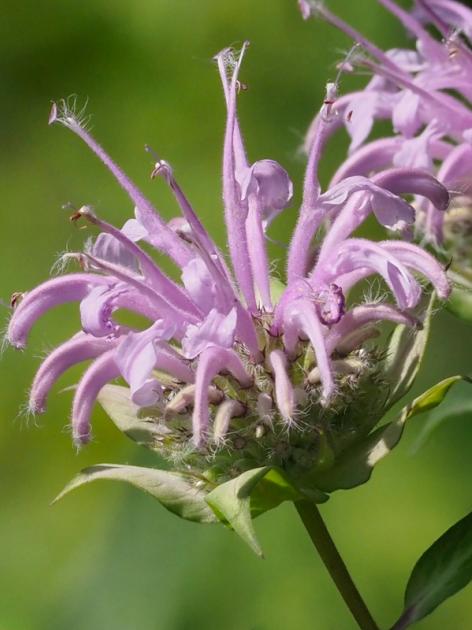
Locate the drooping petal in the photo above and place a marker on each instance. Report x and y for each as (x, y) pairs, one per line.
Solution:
(70, 288)
(355, 254)
(360, 316)
(416, 258)
(168, 360)
(102, 371)
(80, 348)
(415, 182)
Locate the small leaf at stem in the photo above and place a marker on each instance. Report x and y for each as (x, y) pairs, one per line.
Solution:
(177, 492)
(443, 570)
(254, 492)
(231, 503)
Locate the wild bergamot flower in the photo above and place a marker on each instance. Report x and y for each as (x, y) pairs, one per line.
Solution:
(237, 375)
(255, 390)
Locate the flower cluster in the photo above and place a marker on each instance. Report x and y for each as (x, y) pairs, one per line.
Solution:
(426, 93)
(235, 369)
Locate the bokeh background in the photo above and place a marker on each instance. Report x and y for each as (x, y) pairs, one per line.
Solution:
(107, 557)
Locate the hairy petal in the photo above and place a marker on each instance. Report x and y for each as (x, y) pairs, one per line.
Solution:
(102, 371)
(356, 253)
(212, 361)
(284, 394)
(235, 208)
(70, 288)
(416, 258)
(360, 316)
(80, 348)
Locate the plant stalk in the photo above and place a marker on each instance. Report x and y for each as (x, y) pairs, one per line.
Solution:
(325, 546)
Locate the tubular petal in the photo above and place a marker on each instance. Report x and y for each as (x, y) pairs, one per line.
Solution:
(70, 288)
(102, 371)
(80, 348)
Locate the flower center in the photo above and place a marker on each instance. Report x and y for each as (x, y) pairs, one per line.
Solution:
(279, 419)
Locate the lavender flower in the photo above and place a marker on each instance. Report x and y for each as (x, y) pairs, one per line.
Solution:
(227, 376)
(426, 93)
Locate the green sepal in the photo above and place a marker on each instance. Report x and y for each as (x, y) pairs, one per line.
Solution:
(355, 466)
(177, 492)
(460, 300)
(405, 352)
(443, 570)
(254, 492)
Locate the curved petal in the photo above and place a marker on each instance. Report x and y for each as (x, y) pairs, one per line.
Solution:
(80, 348)
(102, 371)
(70, 288)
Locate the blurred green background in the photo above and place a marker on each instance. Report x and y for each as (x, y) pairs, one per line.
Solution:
(108, 557)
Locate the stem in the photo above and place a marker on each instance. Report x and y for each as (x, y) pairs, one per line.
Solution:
(325, 546)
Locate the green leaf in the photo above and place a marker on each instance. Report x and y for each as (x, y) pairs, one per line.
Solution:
(443, 570)
(405, 352)
(355, 466)
(231, 503)
(177, 492)
(254, 492)
(117, 403)
(458, 404)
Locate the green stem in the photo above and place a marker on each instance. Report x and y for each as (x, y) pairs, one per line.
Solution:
(325, 546)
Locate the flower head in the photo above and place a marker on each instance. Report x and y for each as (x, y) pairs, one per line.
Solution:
(229, 374)
(425, 92)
